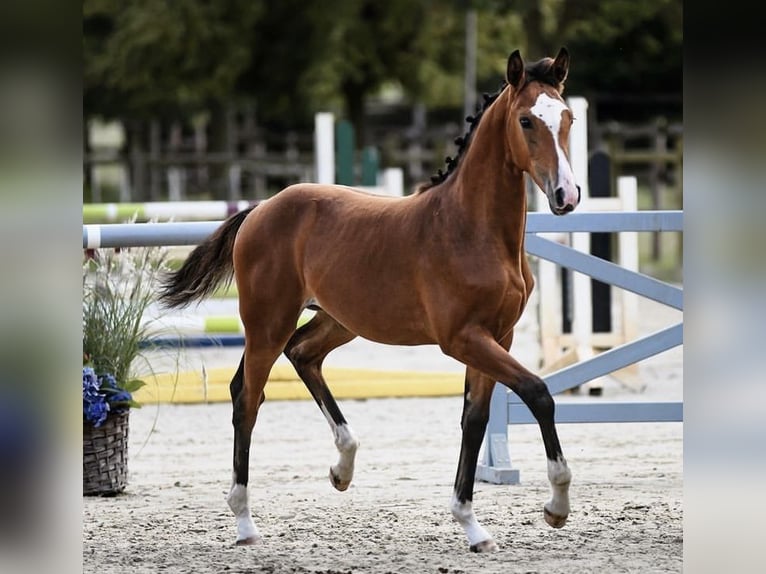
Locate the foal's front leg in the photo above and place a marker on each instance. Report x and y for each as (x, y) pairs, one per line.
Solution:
(478, 390)
(478, 349)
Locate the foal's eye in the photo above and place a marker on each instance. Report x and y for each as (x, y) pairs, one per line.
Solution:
(526, 123)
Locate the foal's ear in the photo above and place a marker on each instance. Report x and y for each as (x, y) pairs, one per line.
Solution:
(561, 65)
(515, 71)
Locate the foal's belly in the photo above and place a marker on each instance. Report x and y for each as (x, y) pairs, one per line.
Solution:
(381, 317)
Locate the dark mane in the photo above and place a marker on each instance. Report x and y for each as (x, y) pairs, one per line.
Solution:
(540, 71)
(461, 142)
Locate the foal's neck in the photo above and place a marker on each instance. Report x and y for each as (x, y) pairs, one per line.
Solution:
(488, 185)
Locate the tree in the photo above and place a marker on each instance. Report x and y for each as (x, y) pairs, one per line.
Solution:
(143, 58)
(630, 50)
(149, 58)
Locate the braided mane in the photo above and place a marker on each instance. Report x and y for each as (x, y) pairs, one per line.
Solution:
(540, 71)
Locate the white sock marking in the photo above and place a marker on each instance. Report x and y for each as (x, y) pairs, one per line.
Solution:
(237, 500)
(346, 443)
(463, 513)
(559, 476)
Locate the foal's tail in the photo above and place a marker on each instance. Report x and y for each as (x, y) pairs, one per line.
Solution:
(209, 265)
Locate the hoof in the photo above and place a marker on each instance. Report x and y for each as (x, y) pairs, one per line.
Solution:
(337, 482)
(553, 520)
(249, 541)
(484, 546)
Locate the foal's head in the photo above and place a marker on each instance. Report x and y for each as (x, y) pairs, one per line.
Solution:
(538, 127)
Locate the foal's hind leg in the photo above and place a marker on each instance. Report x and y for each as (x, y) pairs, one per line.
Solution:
(306, 350)
(247, 396)
(247, 533)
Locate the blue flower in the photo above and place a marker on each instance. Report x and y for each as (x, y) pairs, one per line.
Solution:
(96, 411)
(109, 379)
(90, 383)
(121, 396)
(101, 395)
(118, 400)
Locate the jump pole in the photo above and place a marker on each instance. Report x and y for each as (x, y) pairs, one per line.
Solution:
(161, 211)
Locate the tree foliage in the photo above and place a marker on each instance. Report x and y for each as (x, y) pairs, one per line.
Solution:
(149, 58)
(152, 57)
(626, 47)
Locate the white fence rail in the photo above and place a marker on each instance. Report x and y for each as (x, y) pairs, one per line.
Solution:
(507, 408)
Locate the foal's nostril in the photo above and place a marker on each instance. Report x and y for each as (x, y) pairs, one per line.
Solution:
(559, 197)
(578, 193)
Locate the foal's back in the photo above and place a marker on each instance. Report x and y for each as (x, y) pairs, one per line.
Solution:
(355, 254)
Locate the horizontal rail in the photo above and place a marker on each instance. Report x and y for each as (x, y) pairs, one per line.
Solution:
(193, 341)
(146, 234)
(194, 232)
(161, 211)
(637, 412)
(606, 221)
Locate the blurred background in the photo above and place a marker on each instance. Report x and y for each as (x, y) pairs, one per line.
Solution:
(150, 100)
(100, 99)
(191, 100)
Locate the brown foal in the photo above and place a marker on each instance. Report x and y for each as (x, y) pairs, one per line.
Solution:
(445, 265)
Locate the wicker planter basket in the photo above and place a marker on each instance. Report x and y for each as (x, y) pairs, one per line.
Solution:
(105, 456)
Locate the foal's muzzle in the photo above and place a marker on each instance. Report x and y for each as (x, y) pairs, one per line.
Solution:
(562, 203)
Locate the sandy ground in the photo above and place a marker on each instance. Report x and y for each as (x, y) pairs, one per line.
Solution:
(626, 493)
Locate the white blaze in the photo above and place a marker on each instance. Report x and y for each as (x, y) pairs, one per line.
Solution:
(549, 110)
